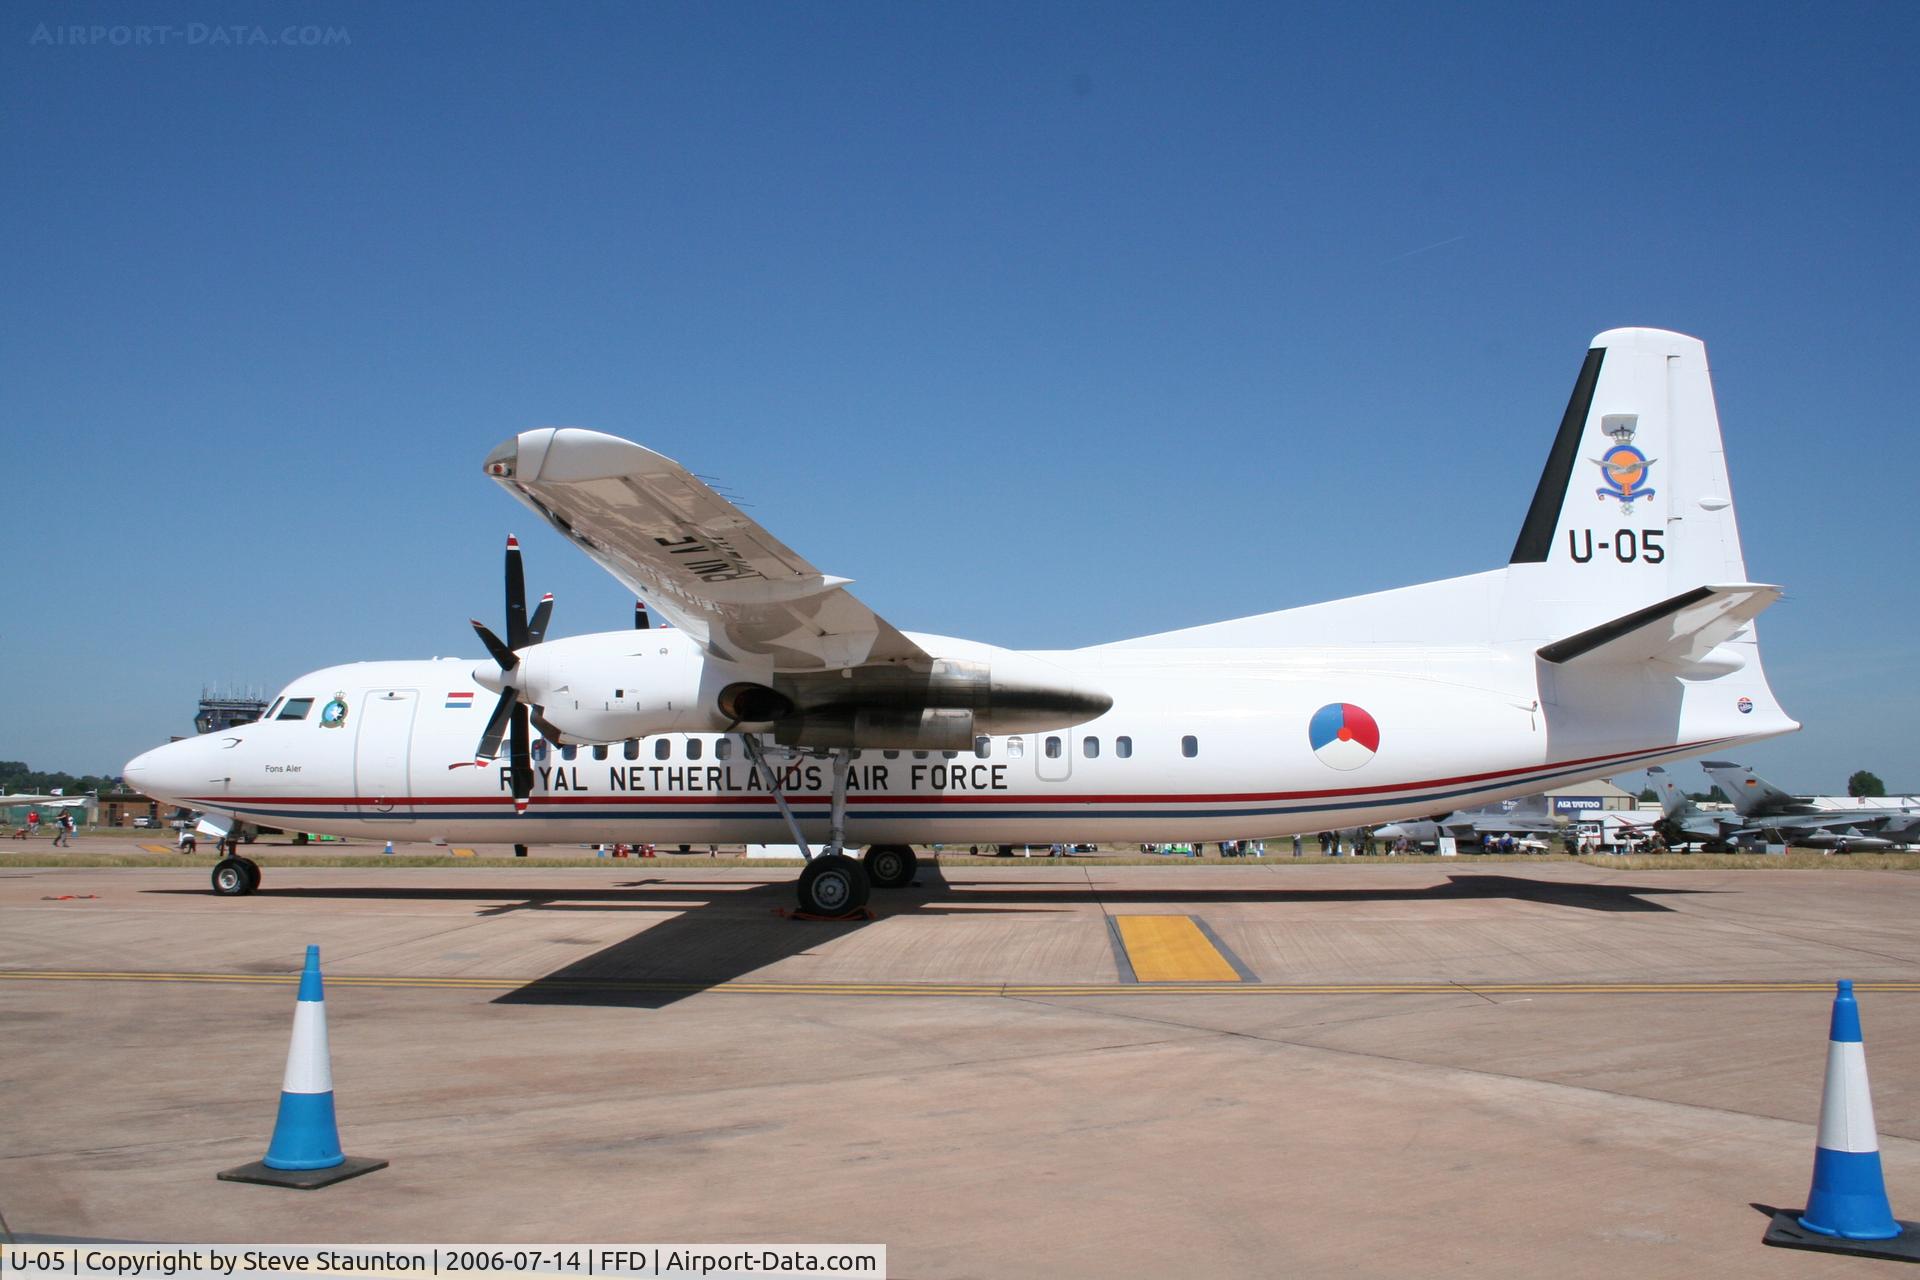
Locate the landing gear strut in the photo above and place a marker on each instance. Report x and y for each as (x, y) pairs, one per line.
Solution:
(831, 884)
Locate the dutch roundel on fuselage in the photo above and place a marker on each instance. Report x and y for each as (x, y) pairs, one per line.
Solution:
(1343, 736)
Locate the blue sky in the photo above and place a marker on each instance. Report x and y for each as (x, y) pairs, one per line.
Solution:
(1048, 324)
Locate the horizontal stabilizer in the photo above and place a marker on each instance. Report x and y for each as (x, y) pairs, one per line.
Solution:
(1681, 631)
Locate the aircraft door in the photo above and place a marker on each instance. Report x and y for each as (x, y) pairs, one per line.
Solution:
(1055, 760)
(382, 753)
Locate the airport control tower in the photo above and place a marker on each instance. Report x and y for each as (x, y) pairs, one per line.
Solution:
(225, 709)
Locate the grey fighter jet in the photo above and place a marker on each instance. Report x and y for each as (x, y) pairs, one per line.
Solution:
(1769, 814)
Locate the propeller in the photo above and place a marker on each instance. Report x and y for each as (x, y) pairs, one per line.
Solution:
(510, 714)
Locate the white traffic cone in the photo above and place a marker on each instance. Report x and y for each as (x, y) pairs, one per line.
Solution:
(305, 1149)
(1847, 1209)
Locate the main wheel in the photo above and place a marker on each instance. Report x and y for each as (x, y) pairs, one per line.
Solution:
(230, 878)
(891, 866)
(253, 873)
(834, 885)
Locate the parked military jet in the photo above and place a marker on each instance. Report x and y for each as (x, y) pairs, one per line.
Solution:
(1766, 813)
(1525, 816)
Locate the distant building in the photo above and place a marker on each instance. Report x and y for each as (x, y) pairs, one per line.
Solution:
(225, 710)
(1578, 799)
(120, 808)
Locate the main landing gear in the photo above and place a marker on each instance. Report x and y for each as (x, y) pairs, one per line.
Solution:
(833, 884)
(235, 876)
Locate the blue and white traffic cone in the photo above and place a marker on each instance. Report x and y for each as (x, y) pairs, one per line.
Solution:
(305, 1134)
(389, 849)
(1847, 1209)
(305, 1149)
(1849, 1194)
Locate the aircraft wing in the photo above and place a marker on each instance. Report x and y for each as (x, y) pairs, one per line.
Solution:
(695, 557)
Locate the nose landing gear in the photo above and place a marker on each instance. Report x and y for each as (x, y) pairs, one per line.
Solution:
(235, 877)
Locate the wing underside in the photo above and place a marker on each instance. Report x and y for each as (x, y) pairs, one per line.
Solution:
(693, 555)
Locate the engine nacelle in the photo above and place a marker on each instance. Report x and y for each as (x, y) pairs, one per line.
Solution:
(633, 684)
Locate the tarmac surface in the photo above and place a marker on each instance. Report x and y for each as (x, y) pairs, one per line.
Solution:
(1046, 1070)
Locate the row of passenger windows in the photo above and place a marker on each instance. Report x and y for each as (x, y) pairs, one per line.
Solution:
(1053, 747)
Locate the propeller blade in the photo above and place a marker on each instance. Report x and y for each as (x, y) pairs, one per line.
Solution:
(489, 747)
(552, 732)
(640, 621)
(501, 654)
(516, 597)
(521, 758)
(537, 627)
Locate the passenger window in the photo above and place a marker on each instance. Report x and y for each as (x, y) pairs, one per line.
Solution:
(891, 755)
(662, 748)
(983, 746)
(569, 751)
(723, 749)
(949, 755)
(693, 748)
(632, 749)
(919, 755)
(1091, 747)
(1053, 748)
(1016, 748)
(600, 752)
(1123, 747)
(296, 709)
(1189, 746)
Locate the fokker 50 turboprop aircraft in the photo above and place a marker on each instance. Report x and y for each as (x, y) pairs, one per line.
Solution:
(779, 707)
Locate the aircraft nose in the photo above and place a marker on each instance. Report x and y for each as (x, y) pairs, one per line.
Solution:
(137, 771)
(161, 772)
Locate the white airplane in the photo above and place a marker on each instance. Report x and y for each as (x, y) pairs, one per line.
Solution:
(778, 707)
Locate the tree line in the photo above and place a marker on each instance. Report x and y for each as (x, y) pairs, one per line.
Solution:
(17, 777)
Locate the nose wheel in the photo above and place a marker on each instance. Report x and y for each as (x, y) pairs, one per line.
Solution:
(235, 877)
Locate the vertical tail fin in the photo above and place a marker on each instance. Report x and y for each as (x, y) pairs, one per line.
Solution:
(1750, 793)
(1634, 505)
(1675, 803)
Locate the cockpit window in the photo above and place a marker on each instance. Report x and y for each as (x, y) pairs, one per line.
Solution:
(296, 709)
(275, 707)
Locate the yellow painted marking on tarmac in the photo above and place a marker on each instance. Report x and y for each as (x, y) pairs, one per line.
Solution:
(465, 853)
(457, 983)
(157, 848)
(1171, 949)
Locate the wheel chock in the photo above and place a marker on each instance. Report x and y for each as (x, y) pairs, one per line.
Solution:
(852, 917)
